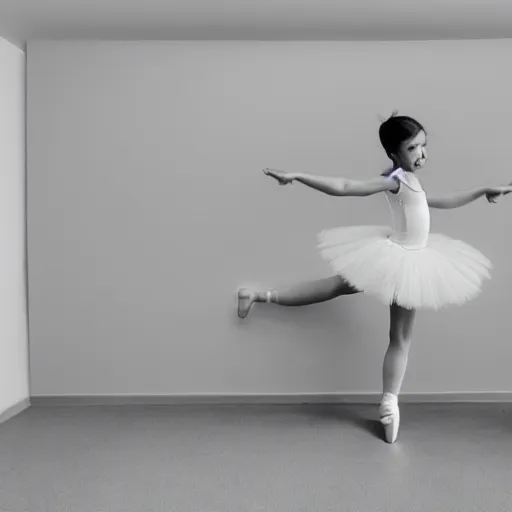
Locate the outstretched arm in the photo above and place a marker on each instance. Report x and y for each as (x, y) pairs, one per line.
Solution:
(456, 200)
(464, 198)
(336, 186)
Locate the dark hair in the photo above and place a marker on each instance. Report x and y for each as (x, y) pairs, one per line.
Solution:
(397, 129)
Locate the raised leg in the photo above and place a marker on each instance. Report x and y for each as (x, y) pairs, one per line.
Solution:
(394, 367)
(302, 294)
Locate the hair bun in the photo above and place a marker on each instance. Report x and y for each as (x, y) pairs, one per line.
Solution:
(383, 119)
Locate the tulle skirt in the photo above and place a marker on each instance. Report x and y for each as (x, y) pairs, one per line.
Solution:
(445, 272)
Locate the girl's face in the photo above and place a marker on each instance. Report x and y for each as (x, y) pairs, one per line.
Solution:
(412, 154)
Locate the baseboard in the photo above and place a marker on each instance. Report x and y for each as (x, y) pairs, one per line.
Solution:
(15, 410)
(263, 399)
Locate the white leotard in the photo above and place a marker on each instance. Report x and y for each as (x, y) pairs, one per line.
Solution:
(409, 212)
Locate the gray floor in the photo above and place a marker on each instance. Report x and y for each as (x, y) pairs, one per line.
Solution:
(317, 458)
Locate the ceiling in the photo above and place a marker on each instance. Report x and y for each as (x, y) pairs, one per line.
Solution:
(22, 20)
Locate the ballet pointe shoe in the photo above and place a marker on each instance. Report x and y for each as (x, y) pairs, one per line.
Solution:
(390, 416)
(246, 299)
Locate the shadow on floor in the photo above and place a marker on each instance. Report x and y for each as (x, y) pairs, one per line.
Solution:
(358, 415)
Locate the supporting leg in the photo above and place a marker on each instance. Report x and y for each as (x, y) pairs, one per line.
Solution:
(394, 367)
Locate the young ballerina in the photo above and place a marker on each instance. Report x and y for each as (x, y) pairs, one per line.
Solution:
(403, 265)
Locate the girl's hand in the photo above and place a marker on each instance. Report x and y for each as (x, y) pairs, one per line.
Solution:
(492, 193)
(284, 178)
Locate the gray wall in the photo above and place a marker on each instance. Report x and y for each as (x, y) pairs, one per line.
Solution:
(147, 209)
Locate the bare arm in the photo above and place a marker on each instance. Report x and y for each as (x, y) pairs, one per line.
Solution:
(346, 187)
(464, 198)
(336, 186)
(456, 200)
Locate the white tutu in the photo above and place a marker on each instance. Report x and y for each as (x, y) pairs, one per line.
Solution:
(444, 272)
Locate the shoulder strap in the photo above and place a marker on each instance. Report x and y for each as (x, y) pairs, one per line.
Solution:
(411, 182)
